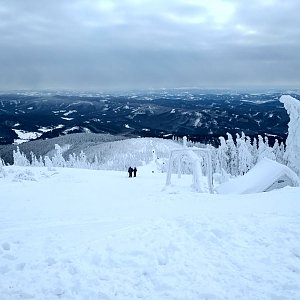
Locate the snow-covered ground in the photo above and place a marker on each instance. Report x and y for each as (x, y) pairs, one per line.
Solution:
(82, 234)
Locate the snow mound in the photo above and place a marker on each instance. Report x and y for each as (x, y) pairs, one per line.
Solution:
(266, 175)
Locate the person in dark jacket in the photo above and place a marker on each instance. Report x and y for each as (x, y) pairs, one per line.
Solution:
(130, 170)
(134, 172)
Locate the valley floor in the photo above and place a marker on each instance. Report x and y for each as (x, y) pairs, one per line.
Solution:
(82, 234)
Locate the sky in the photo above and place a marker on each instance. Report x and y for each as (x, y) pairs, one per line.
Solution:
(120, 44)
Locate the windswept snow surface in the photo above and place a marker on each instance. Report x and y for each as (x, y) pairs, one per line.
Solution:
(82, 234)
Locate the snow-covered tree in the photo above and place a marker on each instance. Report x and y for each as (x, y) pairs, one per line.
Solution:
(95, 163)
(269, 150)
(292, 153)
(71, 162)
(245, 158)
(82, 161)
(278, 150)
(282, 153)
(40, 162)
(261, 147)
(36, 162)
(264, 150)
(58, 159)
(2, 171)
(232, 155)
(19, 158)
(254, 150)
(33, 159)
(48, 163)
(222, 157)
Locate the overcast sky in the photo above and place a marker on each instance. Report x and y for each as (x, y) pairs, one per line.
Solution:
(114, 44)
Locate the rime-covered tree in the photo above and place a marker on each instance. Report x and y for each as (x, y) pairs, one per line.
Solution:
(58, 159)
(33, 159)
(71, 163)
(19, 158)
(222, 154)
(245, 159)
(269, 150)
(36, 162)
(48, 163)
(254, 150)
(232, 155)
(261, 147)
(292, 153)
(95, 163)
(40, 161)
(82, 161)
(2, 171)
(282, 153)
(222, 157)
(278, 151)
(264, 150)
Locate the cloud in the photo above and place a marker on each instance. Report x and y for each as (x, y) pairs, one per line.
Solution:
(141, 43)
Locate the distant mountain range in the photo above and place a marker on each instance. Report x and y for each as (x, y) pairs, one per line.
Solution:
(202, 116)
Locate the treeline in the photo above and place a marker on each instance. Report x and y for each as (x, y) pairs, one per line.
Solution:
(238, 156)
(233, 157)
(77, 142)
(118, 155)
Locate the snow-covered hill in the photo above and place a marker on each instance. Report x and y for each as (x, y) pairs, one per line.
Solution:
(113, 152)
(84, 234)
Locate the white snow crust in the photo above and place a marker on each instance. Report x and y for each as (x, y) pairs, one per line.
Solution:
(85, 234)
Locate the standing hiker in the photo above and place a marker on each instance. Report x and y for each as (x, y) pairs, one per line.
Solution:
(130, 170)
(134, 172)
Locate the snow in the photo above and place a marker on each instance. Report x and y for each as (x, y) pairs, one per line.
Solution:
(60, 111)
(45, 129)
(84, 234)
(71, 129)
(261, 177)
(70, 112)
(25, 136)
(197, 122)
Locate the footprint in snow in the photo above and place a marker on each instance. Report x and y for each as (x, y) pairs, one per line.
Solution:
(20, 266)
(9, 257)
(50, 261)
(4, 269)
(6, 246)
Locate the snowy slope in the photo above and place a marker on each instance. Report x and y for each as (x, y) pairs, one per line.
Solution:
(82, 234)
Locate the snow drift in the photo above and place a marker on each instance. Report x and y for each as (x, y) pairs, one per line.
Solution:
(266, 175)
